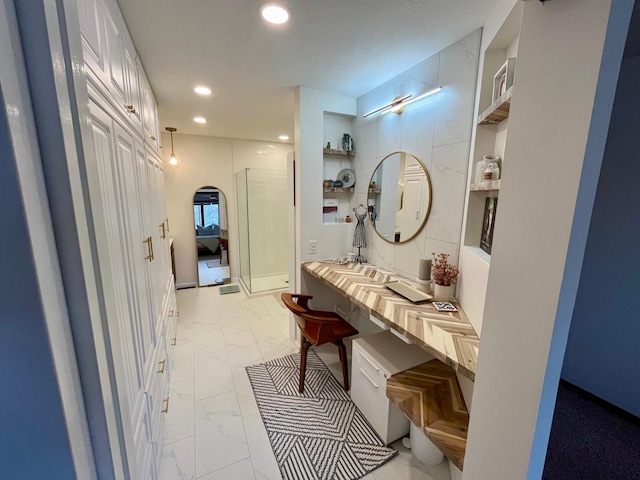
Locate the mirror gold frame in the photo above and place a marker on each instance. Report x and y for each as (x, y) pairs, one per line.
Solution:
(403, 159)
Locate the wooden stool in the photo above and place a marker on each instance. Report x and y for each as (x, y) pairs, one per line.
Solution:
(317, 328)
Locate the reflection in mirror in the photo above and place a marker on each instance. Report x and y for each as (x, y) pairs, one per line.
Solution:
(212, 240)
(399, 197)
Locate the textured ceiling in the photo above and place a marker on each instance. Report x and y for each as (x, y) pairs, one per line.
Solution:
(339, 46)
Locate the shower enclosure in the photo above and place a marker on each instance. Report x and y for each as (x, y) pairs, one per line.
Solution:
(262, 229)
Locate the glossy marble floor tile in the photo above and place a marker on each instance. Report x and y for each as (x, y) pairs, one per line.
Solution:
(213, 430)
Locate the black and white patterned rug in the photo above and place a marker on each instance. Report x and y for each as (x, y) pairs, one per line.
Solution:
(319, 434)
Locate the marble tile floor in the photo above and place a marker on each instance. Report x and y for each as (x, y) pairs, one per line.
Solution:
(213, 430)
(208, 275)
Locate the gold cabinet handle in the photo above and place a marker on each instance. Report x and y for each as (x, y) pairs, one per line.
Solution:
(166, 405)
(153, 138)
(163, 235)
(167, 220)
(177, 313)
(173, 341)
(149, 242)
(163, 363)
(131, 109)
(171, 313)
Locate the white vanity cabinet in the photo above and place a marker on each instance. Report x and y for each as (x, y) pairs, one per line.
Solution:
(374, 359)
(126, 193)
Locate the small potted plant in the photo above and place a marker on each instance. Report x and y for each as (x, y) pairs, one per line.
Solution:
(444, 276)
(347, 144)
(372, 186)
(325, 183)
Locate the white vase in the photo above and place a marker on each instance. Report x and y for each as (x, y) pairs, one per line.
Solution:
(443, 293)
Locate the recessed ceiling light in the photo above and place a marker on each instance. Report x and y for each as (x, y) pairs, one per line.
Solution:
(284, 137)
(200, 120)
(274, 13)
(202, 90)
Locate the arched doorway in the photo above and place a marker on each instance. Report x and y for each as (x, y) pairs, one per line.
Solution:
(211, 236)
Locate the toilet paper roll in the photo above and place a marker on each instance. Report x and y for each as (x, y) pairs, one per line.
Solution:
(424, 269)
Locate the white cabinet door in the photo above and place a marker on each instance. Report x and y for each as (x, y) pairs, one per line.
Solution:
(133, 86)
(122, 80)
(115, 276)
(91, 18)
(151, 132)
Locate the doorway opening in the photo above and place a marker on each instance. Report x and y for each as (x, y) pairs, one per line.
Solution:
(211, 236)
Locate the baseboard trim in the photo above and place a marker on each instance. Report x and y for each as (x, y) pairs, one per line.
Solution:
(181, 286)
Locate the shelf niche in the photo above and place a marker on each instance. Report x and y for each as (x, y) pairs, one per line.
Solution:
(498, 110)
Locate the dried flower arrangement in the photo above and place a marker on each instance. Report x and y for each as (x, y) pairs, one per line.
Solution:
(442, 272)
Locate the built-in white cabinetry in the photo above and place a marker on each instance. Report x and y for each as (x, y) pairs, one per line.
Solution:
(126, 189)
(375, 358)
(149, 112)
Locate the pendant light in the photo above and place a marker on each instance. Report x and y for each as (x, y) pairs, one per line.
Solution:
(173, 160)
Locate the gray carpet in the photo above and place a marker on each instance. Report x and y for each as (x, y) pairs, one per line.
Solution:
(319, 434)
(591, 439)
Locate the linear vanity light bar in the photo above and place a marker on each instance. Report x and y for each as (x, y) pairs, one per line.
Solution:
(390, 105)
(403, 104)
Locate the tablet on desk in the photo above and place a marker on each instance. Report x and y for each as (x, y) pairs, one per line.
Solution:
(408, 292)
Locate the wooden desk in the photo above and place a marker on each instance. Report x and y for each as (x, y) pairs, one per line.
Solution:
(447, 336)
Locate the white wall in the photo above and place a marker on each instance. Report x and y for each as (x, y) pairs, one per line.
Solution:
(210, 161)
(546, 198)
(436, 130)
(332, 240)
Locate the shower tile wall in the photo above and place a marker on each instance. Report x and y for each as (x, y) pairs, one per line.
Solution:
(267, 198)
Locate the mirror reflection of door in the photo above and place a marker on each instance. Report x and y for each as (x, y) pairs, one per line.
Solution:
(211, 236)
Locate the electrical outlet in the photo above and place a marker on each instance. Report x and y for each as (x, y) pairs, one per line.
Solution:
(313, 247)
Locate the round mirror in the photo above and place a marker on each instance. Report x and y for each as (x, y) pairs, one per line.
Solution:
(212, 244)
(399, 199)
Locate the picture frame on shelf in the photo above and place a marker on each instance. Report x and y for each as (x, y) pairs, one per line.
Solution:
(503, 79)
(488, 223)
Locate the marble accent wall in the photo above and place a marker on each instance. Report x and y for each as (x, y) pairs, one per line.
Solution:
(437, 130)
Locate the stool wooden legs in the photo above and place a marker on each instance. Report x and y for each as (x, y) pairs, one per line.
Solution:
(342, 350)
(343, 359)
(303, 361)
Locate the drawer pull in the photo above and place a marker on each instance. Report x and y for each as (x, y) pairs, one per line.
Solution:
(369, 361)
(163, 363)
(163, 235)
(153, 138)
(173, 341)
(166, 405)
(177, 313)
(171, 313)
(368, 378)
(149, 242)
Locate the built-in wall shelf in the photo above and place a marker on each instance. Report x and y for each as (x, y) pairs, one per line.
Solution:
(498, 110)
(486, 186)
(333, 151)
(338, 190)
(375, 190)
(478, 253)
